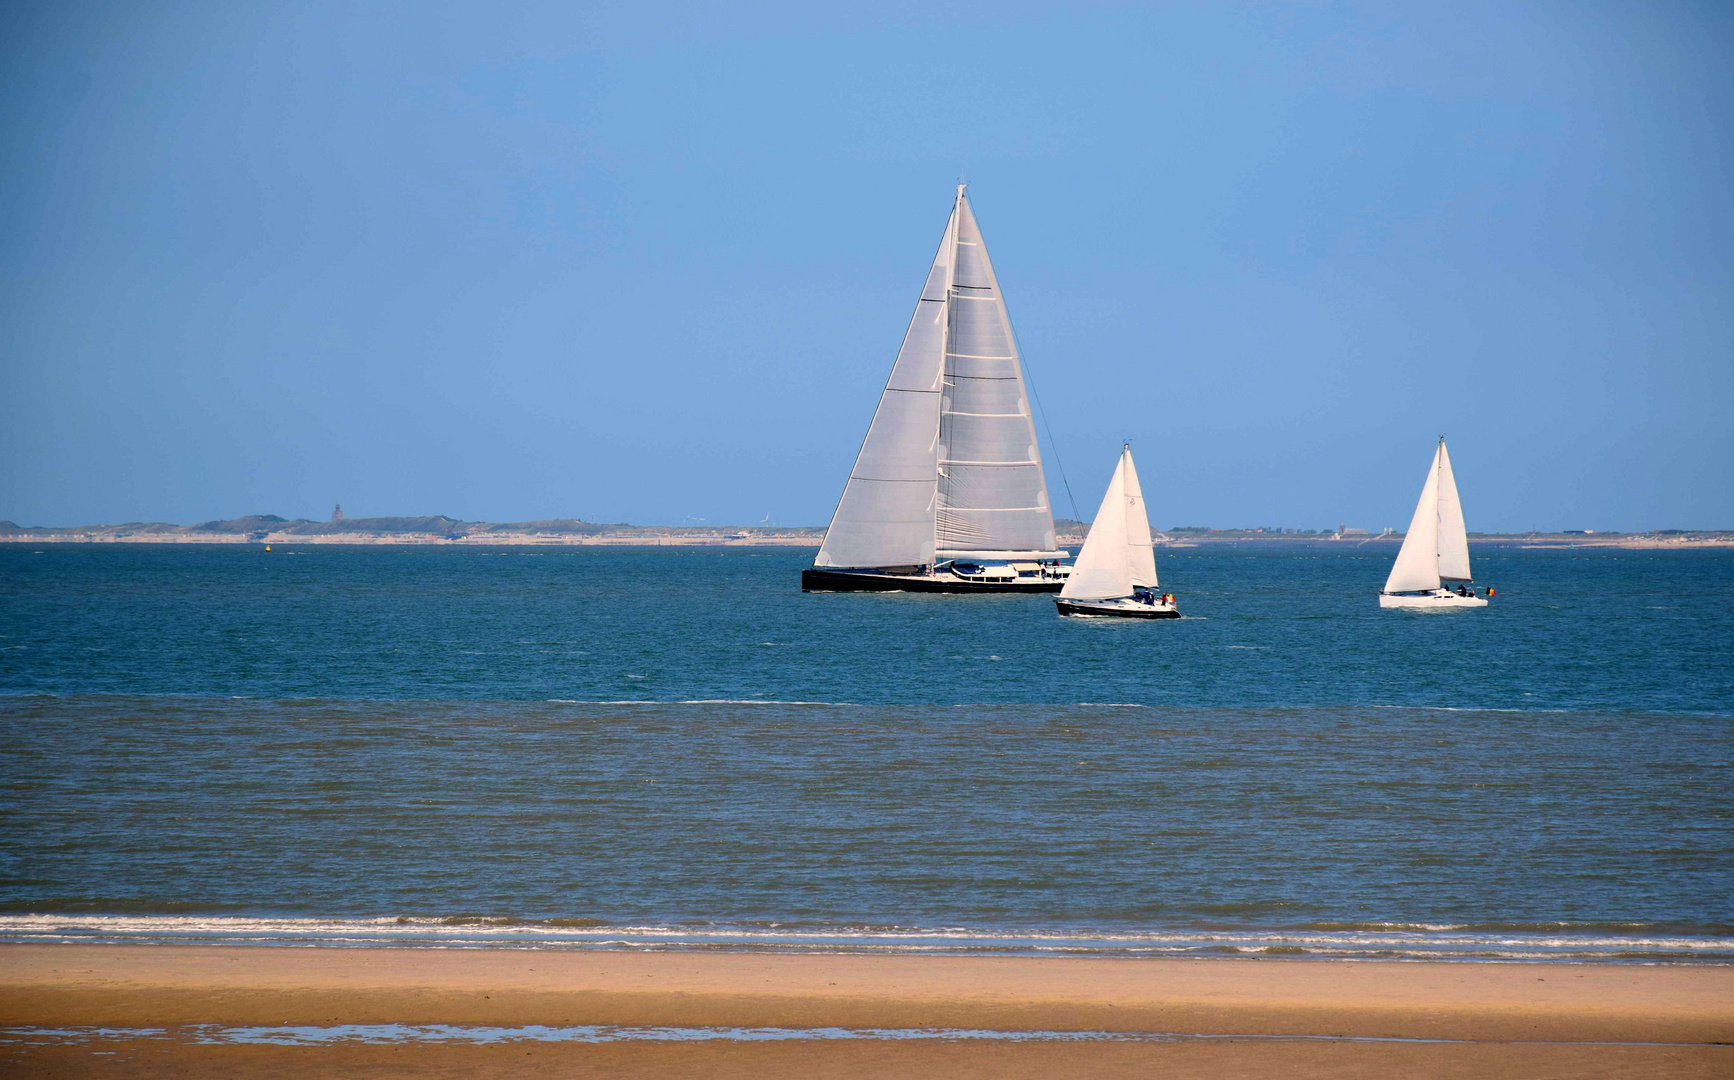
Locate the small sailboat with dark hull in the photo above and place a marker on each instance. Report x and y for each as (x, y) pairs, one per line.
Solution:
(947, 493)
(1115, 572)
(1435, 550)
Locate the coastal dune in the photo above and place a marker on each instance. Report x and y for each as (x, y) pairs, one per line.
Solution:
(1294, 1016)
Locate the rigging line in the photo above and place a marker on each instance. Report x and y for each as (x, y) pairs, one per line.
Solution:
(1024, 358)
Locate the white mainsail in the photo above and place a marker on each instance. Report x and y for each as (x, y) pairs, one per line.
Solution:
(993, 497)
(1139, 551)
(949, 468)
(1116, 555)
(1453, 534)
(1436, 547)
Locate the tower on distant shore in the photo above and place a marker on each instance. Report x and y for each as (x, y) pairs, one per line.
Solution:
(337, 512)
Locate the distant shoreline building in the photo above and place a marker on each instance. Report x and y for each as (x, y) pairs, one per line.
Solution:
(337, 512)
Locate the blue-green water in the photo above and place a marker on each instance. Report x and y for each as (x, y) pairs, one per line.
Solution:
(1606, 632)
(579, 746)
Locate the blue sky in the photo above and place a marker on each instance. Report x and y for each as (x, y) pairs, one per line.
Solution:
(652, 263)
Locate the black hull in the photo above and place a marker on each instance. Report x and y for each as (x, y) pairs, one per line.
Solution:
(1069, 608)
(817, 580)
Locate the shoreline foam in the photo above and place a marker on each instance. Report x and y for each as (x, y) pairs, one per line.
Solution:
(1469, 943)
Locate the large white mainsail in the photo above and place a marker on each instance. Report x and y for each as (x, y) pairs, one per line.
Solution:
(1436, 547)
(1117, 554)
(993, 498)
(949, 468)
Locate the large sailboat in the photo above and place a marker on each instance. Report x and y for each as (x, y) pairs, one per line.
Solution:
(947, 493)
(1435, 549)
(1115, 574)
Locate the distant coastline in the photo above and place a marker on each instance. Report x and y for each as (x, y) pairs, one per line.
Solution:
(438, 529)
(1658, 540)
(572, 532)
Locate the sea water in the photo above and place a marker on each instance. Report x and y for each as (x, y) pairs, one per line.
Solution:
(676, 748)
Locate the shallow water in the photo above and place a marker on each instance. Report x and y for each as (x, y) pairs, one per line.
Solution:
(355, 746)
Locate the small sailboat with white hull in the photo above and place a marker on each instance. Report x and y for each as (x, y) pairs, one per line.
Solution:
(947, 493)
(1435, 549)
(1115, 572)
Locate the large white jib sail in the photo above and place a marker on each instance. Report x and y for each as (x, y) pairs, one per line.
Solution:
(1117, 554)
(949, 468)
(1436, 547)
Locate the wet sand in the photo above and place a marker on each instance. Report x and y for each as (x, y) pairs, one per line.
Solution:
(865, 1060)
(1513, 1019)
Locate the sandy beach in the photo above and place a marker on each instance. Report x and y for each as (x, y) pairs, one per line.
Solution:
(1494, 1019)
